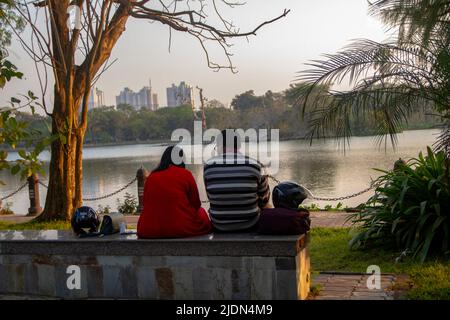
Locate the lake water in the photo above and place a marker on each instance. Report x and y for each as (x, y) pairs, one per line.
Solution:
(323, 167)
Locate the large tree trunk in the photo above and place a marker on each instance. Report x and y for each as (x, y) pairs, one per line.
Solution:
(78, 197)
(59, 202)
(72, 89)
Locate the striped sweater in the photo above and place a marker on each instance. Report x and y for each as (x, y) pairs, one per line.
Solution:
(236, 190)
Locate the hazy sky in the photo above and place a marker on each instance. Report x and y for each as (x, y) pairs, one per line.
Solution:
(268, 61)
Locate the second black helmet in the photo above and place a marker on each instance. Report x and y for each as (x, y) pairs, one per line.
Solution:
(288, 195)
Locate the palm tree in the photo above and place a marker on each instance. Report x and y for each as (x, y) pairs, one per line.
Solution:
(387, 80)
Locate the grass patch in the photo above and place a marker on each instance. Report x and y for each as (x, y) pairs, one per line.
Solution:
(330, 252)
(431, 282)
(32, 225)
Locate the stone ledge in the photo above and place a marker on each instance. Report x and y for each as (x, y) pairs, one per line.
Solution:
(66, 243)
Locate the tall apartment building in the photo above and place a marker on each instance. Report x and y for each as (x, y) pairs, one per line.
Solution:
(138, 100)
(155, 103)
(96, 99)
(182, 94)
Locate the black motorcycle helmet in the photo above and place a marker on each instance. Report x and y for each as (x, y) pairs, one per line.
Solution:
(288, 195)
(85, 220)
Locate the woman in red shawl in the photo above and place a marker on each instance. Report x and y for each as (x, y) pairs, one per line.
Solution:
(172, 206)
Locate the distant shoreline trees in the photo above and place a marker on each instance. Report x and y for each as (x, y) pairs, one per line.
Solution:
(124, 124)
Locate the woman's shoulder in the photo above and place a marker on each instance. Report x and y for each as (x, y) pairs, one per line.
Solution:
(180, 170)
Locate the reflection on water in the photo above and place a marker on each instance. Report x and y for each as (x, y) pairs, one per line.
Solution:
(322, 168)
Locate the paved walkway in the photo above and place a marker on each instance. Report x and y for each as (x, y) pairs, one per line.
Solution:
(351, 286)
(318, 219)
(329, 219)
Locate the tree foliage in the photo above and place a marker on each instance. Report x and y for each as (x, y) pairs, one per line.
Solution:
(410, 208)
(16, 134)
(389, 79)
(124, 124)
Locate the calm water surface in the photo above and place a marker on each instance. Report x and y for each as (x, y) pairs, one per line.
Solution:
(323, 167)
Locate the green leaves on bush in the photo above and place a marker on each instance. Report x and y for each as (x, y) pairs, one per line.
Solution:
(410, 208)
(129, 204)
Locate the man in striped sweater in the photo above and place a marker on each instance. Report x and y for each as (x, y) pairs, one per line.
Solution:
(236, 188)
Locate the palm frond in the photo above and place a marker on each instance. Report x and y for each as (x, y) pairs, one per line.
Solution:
(387, 81)
(443, 141)
(424, 18)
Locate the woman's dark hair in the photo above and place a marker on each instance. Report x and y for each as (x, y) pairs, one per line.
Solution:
(172, 156)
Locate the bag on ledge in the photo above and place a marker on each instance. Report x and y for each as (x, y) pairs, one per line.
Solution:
(281, 221)
(110, 225)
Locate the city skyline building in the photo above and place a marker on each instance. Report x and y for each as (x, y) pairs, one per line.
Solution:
(183, 94)
(142, 99)
(96, 99)
(155, 102)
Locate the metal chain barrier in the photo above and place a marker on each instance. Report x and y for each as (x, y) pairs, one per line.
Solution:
(43, 184)
(105, 196)
(15, 192)
(373, 185)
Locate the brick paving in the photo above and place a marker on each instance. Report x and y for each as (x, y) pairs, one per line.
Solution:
(343, 286)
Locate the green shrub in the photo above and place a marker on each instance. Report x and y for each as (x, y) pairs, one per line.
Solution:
(410, 208)
(129, 205)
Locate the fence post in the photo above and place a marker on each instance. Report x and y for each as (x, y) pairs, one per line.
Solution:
(33, 191)
(141, 176)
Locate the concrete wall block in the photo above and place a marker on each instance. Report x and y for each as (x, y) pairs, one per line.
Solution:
(16, 281)
(3, 279)
(48, 259)
(262, 284)
(94, 275)
(183, 283)
(147, 288)
(129, 282)
(15, 259)
(122, 261)
(112, 286)
(251, 263)
(61, 283)
(240, 284)
(286, 285)
(164, 282)
(224, 262)
(31, 280)
(186, 261)
(46, 280)
(149, 261)
(212, 284)
(12, 278)
(285, 263)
